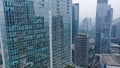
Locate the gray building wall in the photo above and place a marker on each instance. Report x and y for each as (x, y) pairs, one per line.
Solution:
(81, 50)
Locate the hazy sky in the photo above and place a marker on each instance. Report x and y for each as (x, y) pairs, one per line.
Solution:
(88, 8)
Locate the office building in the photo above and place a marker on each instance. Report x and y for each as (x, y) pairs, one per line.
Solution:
(61, 33)
(25, 41)
(113, 31)
(81, 50)
(104, 15)
(118, 30)
(36, 33)
(87, 25)
(75, 20)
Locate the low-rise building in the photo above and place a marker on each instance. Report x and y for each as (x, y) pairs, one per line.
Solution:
(109, 61)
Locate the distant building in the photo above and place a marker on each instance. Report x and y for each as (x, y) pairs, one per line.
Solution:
(115, 40)
(87, 25)
(114, 48)
(61, 33)
(24, 36)
(115, 31)
(81, 50)
(118, 30)
(109, 61)
(75, 20)
(104, 14)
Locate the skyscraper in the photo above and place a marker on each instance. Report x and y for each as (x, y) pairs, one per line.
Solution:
(36, 33)
(81, 50)
(104, 15)
(25, 40)
(61, 33)
(75, 20)
(115, 31)
(87, 25)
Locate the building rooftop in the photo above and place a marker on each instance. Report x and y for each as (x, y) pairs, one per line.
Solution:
(111, 60)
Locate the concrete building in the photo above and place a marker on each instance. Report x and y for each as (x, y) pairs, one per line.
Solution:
(36, 33)
(81, 50)
(75, 20)
(109, 61)
(104, 15)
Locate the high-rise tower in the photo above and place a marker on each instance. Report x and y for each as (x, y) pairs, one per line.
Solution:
(61, 33)
(36, 33)
(75, 20)
(24, 28)
(104, 15)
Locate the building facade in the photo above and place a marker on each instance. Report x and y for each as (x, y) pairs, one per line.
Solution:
(75, 20)
(87, 25)
(36, 33)
(81, 50)
(61, 33)
(115, 31)
(25, 40)
(104, 15)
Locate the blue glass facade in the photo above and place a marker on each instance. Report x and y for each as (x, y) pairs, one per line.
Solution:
(75, 20)
(25, 37)
(103, 27)
(36, 33)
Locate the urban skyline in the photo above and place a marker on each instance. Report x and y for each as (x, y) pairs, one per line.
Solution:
(90, 5)
(59, 34)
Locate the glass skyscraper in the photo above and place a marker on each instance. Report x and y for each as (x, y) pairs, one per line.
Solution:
(104, 15)
(25, 37)
(75, 20)
(61, 33)
(36, 33)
